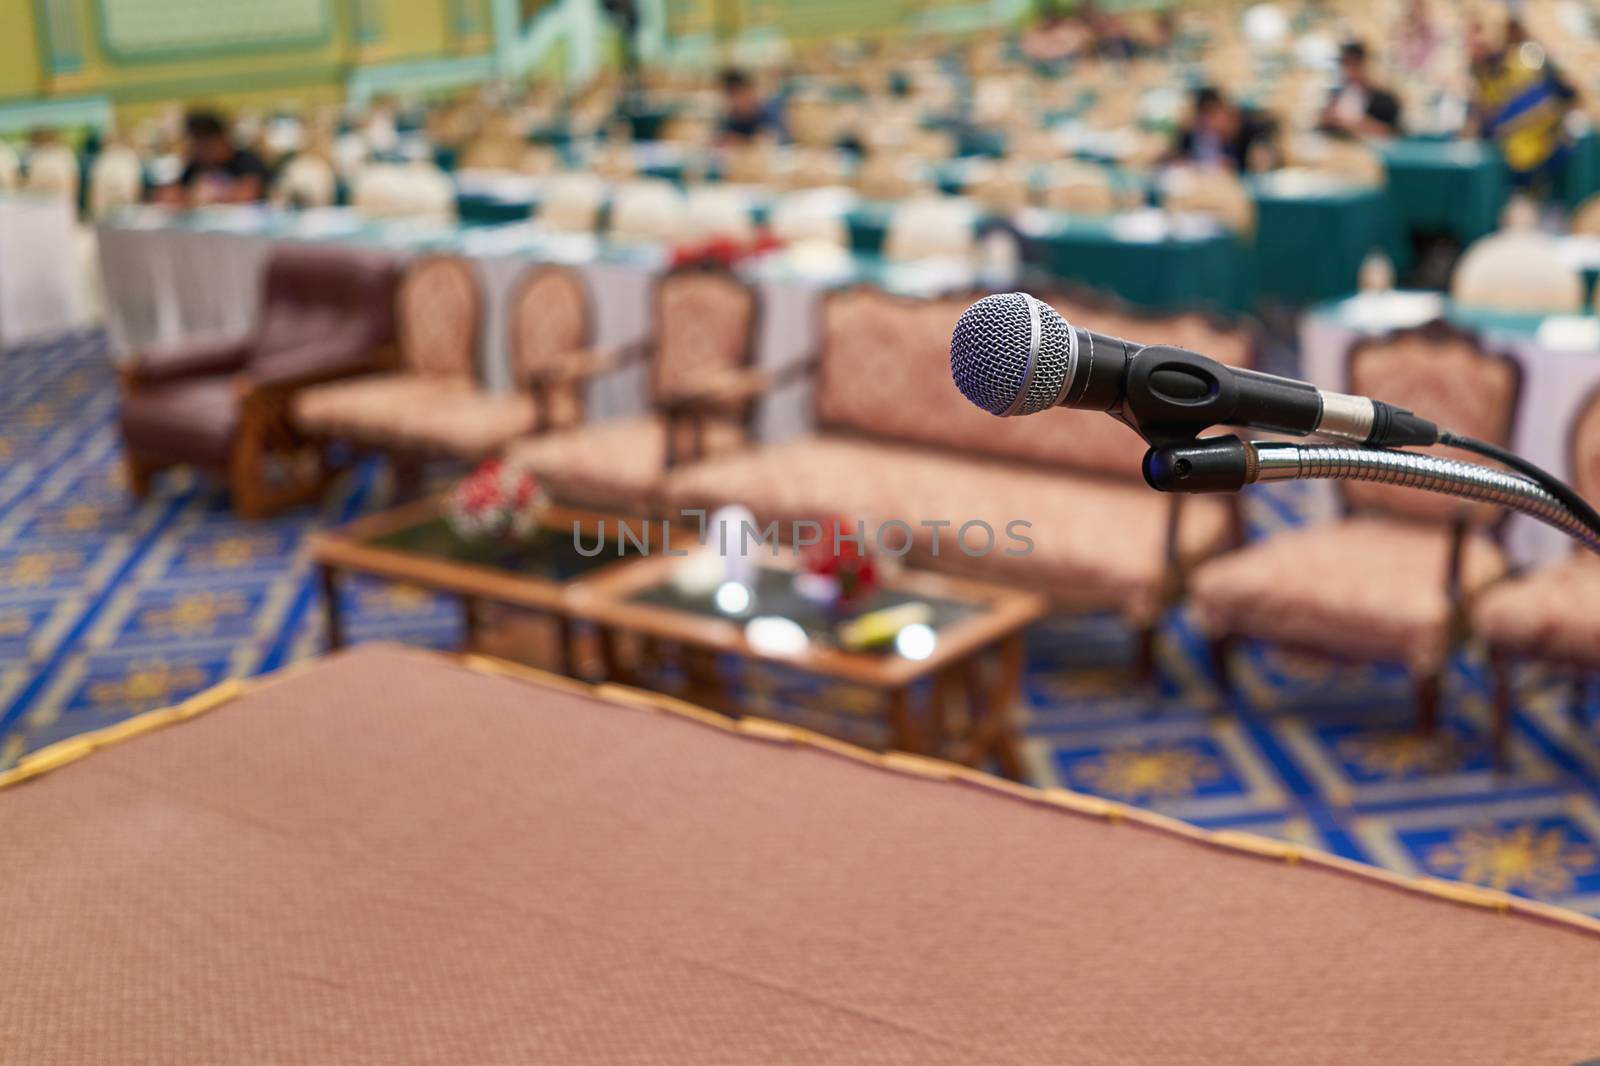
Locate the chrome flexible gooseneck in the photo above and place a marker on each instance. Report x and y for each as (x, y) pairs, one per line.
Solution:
(1431, 473)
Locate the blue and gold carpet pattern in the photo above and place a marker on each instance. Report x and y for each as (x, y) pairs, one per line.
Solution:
(110, 607)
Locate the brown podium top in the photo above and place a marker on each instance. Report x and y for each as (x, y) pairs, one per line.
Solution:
(390, 857)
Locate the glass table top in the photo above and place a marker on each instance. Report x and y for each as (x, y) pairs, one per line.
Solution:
(549, 553)
(773, 596)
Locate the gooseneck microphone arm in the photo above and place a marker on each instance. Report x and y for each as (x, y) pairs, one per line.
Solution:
(1227, 464)
(1012, 354)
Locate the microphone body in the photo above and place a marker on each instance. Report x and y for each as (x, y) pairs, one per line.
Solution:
(1013, 354)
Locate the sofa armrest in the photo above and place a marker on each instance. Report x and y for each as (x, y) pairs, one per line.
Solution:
(308, 364)
(200, 356)
(586, 364)
(730, 390)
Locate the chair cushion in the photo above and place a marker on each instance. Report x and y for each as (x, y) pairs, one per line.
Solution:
(1369, 587)
(1097, 542)
(620, 464)
(448, 416)
(1552, 613)
(185, 421)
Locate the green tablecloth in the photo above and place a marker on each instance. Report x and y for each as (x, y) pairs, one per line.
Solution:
(478, 210)
(1580, 178)
(1215, 271)
(1218, 271)
(1310, 248)
(1454, 187)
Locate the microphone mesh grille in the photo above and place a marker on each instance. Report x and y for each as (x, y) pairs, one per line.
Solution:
(989, 354)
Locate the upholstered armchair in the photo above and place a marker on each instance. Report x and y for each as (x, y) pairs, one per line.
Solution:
(1551, 616)
(1391, 579)
(432, 406)
(702, 396)
(221, 404)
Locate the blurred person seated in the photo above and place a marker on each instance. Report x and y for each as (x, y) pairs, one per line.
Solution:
(215, 171)
(1358, 107)
(745, 115)
(1220, 133)
(1521, 104)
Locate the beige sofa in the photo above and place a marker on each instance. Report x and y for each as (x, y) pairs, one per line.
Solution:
(895, 441)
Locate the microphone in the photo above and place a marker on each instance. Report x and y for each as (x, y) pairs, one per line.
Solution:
(1013, 354)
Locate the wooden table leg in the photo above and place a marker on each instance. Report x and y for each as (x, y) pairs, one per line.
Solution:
(902, 729)
(568, 649)
(993, 731)
(704, 686)
(946, 685)
(611, 662)
(470, 620)
(328, 577)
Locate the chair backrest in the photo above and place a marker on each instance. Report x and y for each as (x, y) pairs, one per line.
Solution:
(1445, 375)
(549, 319)
(752, 162)
(647, 210)
(52, 168)
(886, 176)
(813, 123)
(1586, 219)
(439, 312)
(615, 161)
(885, 373)
(115, 179)
(1518, 271)
(815, 168)
(430, 194)
(317, 295)
(1356, 161)
(705, 323)
(1079, 188)
(307, 180)
(798, 219)
(538, 159)
(718, 211)
(1005, 189)
(572, 203)
(1212, 191)
(1034, 146)
(929, 227)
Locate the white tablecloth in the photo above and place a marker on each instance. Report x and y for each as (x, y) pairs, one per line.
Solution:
(1556, 382)
(165, 282)
(41, 280)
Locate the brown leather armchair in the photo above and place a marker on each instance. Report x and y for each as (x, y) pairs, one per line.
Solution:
(221, 404)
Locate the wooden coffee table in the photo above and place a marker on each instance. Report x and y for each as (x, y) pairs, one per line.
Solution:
(413, 544)
(975, 651)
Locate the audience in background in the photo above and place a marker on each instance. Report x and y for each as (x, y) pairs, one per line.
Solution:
(1055, 37)
(1358, 107)
(216, 171)
(1522, 103)
(745, 114)
(1221, 133)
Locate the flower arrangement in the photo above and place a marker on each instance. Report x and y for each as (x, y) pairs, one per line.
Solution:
(838, 569)
(724, 251)
(497, 500)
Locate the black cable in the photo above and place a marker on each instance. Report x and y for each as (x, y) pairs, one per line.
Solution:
(1549, 482)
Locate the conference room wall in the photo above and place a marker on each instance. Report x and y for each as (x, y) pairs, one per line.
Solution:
(53, 50)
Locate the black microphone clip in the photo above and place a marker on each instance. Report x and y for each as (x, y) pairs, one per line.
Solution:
(1171, 395)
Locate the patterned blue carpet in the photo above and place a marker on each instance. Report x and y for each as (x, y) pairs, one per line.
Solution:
(108, 608)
